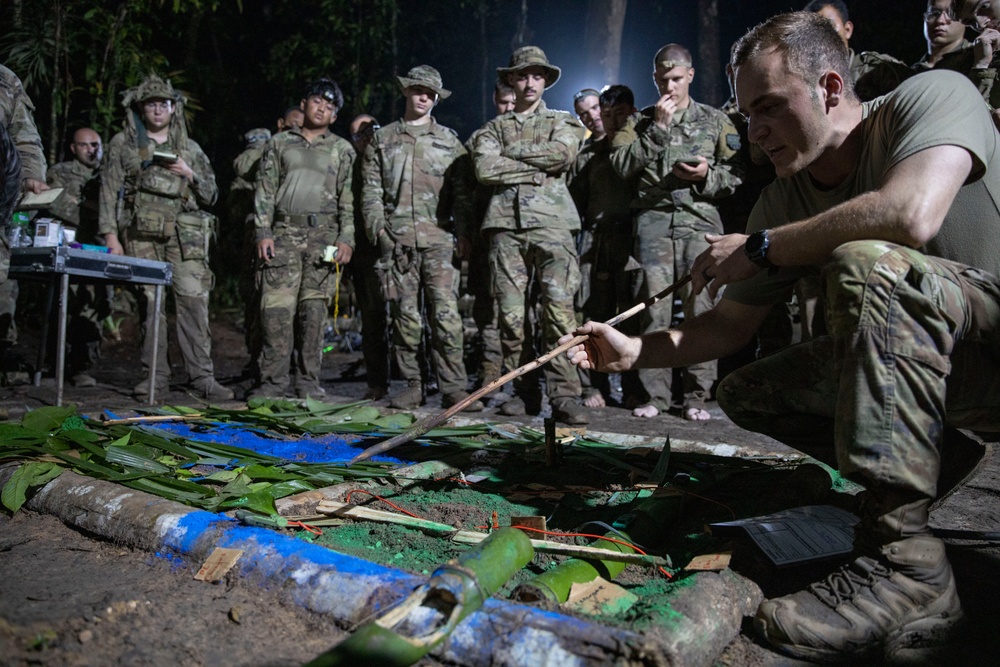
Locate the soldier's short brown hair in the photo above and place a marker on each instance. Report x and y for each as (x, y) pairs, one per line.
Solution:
(673, 54)
(808, 42)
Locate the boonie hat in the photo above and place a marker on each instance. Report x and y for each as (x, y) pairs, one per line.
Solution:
(426, 76)
(530, 56)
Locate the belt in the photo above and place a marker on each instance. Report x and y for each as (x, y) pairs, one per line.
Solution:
(306, 219)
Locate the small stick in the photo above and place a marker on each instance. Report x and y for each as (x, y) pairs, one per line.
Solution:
(428, 423)
(152, 419)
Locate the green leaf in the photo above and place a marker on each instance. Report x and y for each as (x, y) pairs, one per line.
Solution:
(48, 418)
(34, 473)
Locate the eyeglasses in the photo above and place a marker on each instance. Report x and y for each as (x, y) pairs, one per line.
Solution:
(159, 106)
(932, 15)
(365, 133)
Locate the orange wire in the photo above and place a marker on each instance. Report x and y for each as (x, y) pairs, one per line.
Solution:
(305, 526)
(347, 499)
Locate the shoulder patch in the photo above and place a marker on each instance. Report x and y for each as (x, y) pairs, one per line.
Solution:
(733, 141)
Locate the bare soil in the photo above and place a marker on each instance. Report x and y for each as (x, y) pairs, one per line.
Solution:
(67, 598)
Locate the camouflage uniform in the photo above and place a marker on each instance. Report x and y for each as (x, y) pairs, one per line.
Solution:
(913, 337)
(303, 201)
(15, 113)
(530, 221)
(368, 290)
(484, 309)
(412, 190)
(88, 304)
(604, 199)
(159, 216)
(240, 207)
(875, 74)
(672, 217)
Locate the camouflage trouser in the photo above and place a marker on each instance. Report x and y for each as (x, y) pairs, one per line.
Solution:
(433, 270)
(484, 309)
(611, 293)
(374, 327)
(664, 260)
(551, 253)
(914, 345)
(296, 287)
(249, 286)
(8, 309)
(192, 282)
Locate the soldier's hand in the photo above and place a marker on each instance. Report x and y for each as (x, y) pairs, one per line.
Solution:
(464, 247)
(344, 253)
(265, 249)
(690, 172)
(113, 244)
(606, 349)
(31, 185)
(181, 168)
(984, 47)
(724, 262)
(663, 112)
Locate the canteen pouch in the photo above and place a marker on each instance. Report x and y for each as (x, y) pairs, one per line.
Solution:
(195, 230)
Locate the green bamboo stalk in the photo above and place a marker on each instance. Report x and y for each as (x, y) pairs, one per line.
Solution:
(554, 585)
(425, 619)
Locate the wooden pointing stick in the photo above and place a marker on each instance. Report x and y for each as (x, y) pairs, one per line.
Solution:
(428, 423)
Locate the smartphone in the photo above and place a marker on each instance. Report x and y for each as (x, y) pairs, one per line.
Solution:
(692, 160)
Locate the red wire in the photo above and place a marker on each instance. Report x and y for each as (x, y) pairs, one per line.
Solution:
(347, 499)
(304, 526)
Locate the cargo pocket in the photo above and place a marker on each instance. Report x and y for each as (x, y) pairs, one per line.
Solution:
(195, 230)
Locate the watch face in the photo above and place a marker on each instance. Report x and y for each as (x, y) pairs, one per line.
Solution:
(754, 242)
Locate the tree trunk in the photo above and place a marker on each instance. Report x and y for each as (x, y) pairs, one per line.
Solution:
(603, 39)
(57, 83)
(709, 66)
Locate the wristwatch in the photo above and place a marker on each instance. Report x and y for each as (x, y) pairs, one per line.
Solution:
(756, 247)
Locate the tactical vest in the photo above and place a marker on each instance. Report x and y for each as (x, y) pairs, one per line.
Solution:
(159, 196)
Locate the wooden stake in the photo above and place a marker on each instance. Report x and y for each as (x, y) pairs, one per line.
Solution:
(427, 424)
(150, 419)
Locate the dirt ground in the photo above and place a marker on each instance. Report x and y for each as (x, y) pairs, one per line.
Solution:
(67, 598)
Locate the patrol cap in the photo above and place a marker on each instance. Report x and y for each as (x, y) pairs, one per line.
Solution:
(426, 76)
(327, 89)
(257, 135)
(530, 56)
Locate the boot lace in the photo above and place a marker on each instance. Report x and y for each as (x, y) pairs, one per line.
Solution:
(851, 579)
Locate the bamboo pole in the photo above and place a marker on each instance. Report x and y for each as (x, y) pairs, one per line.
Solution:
(335, 508)
(428, 423)
(152, 419)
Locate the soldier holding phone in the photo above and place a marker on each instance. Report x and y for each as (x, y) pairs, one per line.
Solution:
(685, 155)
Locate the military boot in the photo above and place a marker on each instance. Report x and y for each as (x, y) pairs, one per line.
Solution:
(209, 387)
(568, 411)
(141, 390)
(897, 593)
(412, 397)
(456, 397)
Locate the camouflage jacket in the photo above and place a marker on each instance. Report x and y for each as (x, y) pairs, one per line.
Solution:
(81, 193)
(875, 74)
(413, 185)
(297, 177)
(525, 157)
(245, 167)
(123, 165)
(645, 150)
(15, 112)
(602, 197)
